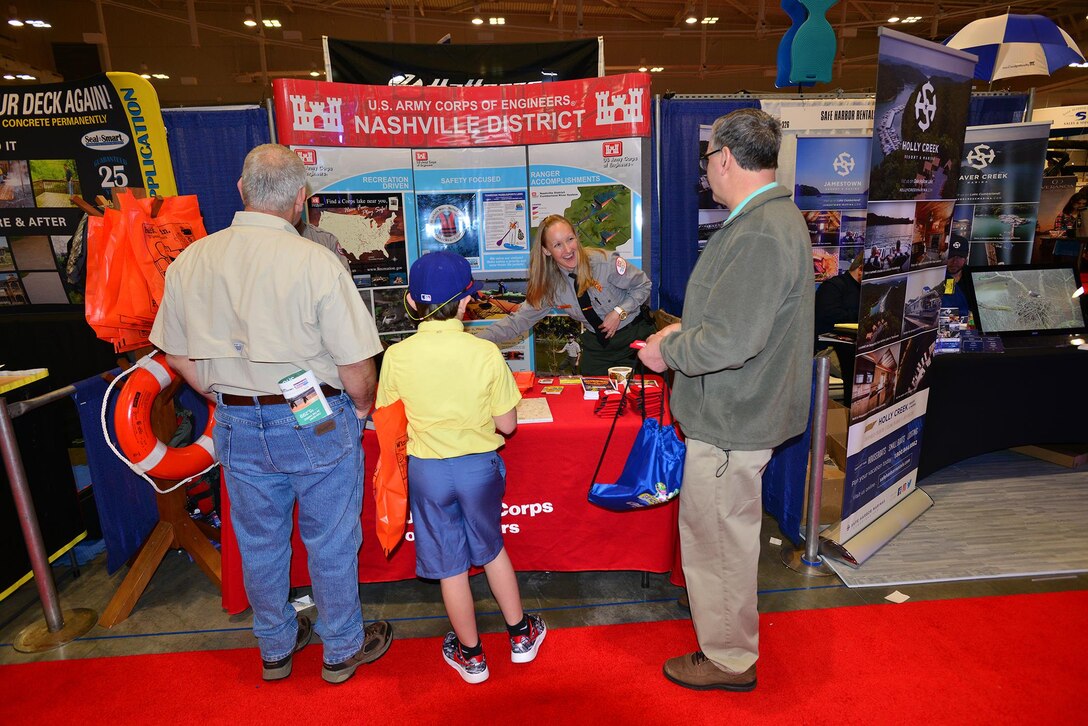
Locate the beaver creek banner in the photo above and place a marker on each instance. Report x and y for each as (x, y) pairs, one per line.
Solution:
(400, 171)
(922, 97)
(427, 64)
(997, 205)
(62, 141)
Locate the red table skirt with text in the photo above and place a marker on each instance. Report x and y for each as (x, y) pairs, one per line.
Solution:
(547, 523)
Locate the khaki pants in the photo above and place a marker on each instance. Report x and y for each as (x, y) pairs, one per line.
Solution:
(721, 511)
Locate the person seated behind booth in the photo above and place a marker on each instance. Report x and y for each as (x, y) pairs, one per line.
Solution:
(457, 394)
(235, 320)
(604, 292)
(838, 300)
(952, 293)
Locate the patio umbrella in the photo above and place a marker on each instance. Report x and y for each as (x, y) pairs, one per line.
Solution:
(1016, 45)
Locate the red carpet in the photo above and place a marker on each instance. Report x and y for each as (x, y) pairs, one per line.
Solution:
(1016, 659)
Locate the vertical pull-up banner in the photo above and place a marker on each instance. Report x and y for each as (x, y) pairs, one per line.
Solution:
(63, 140)
(922, 99)
(997, 205)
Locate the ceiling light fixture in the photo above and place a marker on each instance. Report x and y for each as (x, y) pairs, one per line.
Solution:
(642, 69)
(709, 20)
(271, 23)
(477, 21)
(250, 21)
(657, 69)
(497, 21)
(691, 19)
(315, 74)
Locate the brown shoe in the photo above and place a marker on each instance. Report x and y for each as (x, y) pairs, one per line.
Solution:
(376, 640)
(697, 672)
(274, 670)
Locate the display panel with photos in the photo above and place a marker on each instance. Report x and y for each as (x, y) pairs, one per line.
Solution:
(1026, 300)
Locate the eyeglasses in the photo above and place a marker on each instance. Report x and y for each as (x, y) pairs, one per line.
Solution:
(704, 160)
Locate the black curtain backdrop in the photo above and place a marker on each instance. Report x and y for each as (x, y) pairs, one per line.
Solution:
(355, 61)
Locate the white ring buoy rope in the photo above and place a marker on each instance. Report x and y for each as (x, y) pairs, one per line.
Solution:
(144, 453)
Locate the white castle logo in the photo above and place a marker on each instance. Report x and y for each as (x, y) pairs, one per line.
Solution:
(619, 108)
(308, 118)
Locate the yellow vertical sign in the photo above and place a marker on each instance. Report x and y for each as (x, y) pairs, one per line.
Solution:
(141, 105)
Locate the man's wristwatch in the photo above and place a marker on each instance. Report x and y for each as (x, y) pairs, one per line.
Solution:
(621, 312)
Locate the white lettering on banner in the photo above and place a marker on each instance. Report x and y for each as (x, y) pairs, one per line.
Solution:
(317, 113)
(467, 126)
(529, 510)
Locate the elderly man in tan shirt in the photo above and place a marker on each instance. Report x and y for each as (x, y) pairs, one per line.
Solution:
(242, 309)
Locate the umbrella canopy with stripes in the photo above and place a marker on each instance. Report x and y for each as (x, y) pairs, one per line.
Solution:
(1016, 45)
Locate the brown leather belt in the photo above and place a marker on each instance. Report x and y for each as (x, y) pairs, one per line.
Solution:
(269, 399)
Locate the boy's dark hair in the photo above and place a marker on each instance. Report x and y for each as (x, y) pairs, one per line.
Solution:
(447, 311)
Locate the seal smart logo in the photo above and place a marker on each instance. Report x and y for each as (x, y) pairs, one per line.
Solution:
(105, 140)
(980, 157)
(843, 164)
(925, 106)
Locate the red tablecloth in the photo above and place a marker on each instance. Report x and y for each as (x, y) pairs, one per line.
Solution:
(547, 522)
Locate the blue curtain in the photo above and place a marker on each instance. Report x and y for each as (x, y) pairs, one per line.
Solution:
(987, 110)
(207, 148)
(675, 247)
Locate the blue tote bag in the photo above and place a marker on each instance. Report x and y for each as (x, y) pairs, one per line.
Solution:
(654, 468)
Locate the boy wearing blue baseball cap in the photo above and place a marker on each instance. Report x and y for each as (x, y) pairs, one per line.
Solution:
(458, 395)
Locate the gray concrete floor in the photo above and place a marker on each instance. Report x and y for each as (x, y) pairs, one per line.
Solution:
(180, 609)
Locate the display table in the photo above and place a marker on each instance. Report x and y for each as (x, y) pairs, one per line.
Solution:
(982, 402)
(548, 524)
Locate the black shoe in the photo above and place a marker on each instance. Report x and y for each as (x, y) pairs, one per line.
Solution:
(274, 670)
(376, 640)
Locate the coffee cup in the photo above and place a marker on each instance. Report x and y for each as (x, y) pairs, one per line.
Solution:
(619, 375)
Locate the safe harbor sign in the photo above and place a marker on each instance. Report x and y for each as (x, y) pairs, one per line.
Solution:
(339, 114)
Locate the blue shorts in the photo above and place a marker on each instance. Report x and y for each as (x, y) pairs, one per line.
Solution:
(456, 510)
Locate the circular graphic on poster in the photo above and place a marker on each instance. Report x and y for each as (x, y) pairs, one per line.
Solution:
(447, 224)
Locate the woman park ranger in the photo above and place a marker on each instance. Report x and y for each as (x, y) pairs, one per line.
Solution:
(603, 292)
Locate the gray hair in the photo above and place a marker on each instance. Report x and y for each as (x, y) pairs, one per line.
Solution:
(752, 137)
(271, 177)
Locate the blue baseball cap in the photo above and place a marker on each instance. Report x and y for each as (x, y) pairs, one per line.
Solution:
(437, 278)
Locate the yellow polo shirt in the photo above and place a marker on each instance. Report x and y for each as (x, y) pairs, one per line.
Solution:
(256, 302)
(452, 384)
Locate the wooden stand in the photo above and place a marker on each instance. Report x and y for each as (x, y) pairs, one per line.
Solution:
(175, 530)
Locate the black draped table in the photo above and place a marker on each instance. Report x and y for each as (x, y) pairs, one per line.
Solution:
(982, 402)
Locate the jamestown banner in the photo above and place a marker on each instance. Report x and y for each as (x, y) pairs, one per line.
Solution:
(922, 97)
(428, 64)
(997, 205)
(60, 141)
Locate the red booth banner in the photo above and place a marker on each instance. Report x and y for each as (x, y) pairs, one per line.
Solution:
(340, 114)
(547, 523)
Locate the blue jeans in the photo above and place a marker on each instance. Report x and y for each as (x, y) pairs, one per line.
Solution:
(270, 463)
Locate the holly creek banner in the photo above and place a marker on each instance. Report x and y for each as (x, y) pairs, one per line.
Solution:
(922, 99)
(338, 114)
(65, 141)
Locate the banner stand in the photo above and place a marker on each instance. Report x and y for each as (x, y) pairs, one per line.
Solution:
(808, 562)
(867, 542)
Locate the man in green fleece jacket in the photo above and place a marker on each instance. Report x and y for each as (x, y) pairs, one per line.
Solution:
(742, 353)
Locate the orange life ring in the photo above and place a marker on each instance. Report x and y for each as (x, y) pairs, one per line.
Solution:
(132, 421)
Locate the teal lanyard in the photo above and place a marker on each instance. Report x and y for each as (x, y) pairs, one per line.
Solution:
(748, 198)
